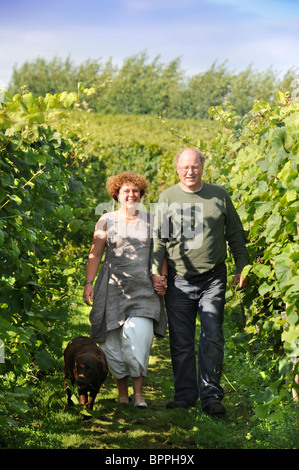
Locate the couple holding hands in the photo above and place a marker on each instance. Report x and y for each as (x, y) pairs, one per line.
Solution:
(143, 268)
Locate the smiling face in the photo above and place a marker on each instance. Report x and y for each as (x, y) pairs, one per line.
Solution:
(129, 197)
(190, 170)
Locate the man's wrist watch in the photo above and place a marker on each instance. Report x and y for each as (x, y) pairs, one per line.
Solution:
(88, 281)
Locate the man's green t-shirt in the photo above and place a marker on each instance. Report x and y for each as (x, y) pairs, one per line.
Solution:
(192, 230)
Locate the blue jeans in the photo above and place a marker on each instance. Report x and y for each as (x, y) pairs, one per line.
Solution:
(205, 295)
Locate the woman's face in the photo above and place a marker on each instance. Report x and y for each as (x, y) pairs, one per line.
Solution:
(129, 196)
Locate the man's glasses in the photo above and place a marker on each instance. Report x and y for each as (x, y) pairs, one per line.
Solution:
(186, 169)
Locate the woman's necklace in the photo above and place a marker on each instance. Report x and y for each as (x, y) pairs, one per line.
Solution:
(129, 218)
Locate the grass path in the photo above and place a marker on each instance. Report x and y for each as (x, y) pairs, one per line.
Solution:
(54, 425)
(122, 426)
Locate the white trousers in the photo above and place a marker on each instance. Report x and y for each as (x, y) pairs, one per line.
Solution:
(127, 349)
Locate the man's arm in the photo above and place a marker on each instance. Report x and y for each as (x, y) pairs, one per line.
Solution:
(237, 243)
(160, 280)
(158, 262)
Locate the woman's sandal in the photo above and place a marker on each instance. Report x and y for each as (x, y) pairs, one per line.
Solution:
(120, 400)
(140, 404)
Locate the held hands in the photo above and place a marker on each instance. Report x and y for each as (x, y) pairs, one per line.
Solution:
(88, 294)
(160, 283)
(160, 286)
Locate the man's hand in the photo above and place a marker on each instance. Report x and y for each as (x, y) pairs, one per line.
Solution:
(238, 279)
(160, 283)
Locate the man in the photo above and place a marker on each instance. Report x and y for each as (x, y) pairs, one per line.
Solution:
(196, 277)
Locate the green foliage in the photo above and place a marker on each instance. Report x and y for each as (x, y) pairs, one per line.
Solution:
(257, 160)
(42, 209)
(54, 425)
(129, 142)
(141, 86)
(42, 77)
(249, 86)
(206, 89)
(55, 159)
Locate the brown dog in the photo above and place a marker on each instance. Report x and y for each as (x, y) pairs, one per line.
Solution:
(84, 364)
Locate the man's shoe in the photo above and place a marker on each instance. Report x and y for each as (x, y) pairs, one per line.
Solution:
(177, 404)
(214, 409)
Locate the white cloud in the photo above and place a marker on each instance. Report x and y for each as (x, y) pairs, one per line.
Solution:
(197, 34)
(151, 5)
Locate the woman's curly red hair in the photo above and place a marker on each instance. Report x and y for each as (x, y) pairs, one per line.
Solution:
(114, 183)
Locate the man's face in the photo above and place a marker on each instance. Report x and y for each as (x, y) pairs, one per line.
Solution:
(190, 170)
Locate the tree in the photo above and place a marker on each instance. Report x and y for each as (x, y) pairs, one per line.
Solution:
(41, 77)
(205, 90)
(250, 86)
(142, 87)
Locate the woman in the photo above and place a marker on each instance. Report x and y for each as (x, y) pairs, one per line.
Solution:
(126, 311)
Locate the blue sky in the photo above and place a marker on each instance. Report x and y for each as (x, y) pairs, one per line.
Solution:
(263, 33)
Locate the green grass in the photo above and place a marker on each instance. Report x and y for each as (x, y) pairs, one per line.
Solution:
(54, 425)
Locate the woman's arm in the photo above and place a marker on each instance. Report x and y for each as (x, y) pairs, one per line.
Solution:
(164, 269)
(94, 259)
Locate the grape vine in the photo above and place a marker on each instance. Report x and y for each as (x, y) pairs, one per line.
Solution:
(256, 158)
(54, 165)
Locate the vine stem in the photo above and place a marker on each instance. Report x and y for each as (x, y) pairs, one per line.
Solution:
(230, 383)
(27, 182)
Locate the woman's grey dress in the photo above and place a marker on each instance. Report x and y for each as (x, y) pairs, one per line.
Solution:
(123, 288)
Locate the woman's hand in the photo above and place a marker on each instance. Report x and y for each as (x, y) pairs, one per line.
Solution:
(88, 294)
